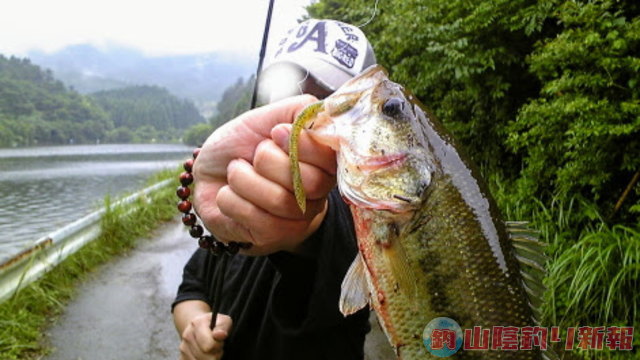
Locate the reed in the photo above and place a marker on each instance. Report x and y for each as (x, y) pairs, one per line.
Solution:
(25, 317)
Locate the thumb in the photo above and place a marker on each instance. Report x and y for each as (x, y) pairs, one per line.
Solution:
(223, 327)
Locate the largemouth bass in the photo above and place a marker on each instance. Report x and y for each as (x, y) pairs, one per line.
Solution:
(431, 242)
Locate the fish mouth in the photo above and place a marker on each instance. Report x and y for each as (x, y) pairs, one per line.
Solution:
(355, 193)
(373, 163)
(369, 163)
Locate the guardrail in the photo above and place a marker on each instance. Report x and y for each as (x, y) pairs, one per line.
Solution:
(48, 251)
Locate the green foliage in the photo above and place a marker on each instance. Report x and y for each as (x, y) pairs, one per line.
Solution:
(236, 99)
(465, 60)
(25, 316)
(582, 134)
(593, 271)
(548, 87)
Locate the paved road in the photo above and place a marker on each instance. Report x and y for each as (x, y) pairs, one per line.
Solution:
(122, 311)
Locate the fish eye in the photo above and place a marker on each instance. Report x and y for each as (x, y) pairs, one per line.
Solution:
(393, 107)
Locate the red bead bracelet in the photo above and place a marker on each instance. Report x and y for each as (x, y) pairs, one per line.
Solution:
(190, 219)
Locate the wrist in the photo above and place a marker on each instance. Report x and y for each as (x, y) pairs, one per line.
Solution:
(184, 312)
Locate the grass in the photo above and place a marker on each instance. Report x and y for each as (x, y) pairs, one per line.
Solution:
(593, 272)
(25, 317)
(602, 272)
(594, 281)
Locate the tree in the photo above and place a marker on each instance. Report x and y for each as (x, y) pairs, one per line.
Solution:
(582, 134)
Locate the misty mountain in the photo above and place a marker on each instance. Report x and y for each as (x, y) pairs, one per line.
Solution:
(201, 78)
(38, 109)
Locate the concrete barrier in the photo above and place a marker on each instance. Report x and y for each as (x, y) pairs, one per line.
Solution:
(48, 251)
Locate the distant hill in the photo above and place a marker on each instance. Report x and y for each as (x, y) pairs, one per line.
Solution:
(201, 78)
(235, 100)
(136, 106)
(37, 109)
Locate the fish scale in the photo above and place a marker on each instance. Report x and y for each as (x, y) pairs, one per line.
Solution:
(431, 242)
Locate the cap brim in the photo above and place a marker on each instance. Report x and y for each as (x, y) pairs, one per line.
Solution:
(326, 74)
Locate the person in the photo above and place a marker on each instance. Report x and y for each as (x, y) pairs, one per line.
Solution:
(280, 297)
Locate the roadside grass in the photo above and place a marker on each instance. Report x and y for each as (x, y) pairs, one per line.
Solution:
(25, 317)
(601, 271)
(594, 281)
(593, 267)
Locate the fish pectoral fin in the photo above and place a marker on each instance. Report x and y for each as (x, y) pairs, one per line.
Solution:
(354, 293)
(400, 268)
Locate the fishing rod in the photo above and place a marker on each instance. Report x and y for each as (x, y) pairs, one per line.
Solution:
(218, 280)
(263, 51)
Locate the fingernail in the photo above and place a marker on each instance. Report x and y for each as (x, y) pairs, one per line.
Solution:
(280, 135)
(234, 163)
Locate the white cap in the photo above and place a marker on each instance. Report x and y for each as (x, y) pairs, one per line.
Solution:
(331, 51)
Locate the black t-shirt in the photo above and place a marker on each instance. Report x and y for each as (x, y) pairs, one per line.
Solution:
(285, 306)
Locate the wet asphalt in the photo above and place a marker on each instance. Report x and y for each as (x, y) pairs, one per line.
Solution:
(122, 311)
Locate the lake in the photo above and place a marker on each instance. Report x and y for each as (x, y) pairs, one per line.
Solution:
(45, 188)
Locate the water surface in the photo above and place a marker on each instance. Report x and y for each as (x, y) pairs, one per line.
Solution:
(45, 188)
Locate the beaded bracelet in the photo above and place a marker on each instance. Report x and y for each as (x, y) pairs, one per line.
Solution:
(190, 219)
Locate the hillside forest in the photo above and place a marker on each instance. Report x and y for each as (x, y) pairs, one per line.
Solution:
(37, 109)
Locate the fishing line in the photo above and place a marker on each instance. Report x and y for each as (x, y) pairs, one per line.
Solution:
(373, 15)
(306, 76)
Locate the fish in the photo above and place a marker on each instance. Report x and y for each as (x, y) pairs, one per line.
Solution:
(431, 240)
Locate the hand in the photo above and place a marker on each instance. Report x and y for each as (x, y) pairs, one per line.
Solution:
(201, 343)
(243, 188)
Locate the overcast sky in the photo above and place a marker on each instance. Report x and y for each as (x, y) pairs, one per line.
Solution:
(157, 27)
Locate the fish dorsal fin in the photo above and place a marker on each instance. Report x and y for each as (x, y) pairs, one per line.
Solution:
(354, 294)
(530, 254)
